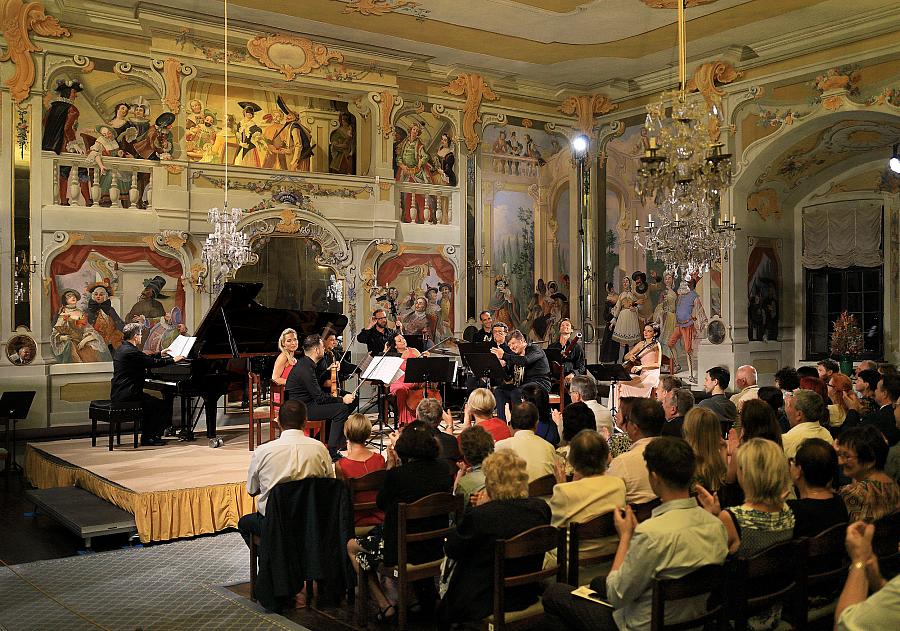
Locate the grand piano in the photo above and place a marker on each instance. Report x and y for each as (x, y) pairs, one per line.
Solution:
(237, 333)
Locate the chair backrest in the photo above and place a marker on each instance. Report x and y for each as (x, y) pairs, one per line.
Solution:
(884, 544)
(596, 528)
(708, 579)
(370, 482)
(825, 568)
(542, 486)
(535, 542)
(764, 579)
(434, 505)
(643, 512)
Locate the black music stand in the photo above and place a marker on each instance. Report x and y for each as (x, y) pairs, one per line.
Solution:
(614, 373)
(415, 340)
(14, 407)
(483, 365)
(425, 369)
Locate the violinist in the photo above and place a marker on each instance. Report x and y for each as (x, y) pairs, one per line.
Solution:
(408, 395)
(328, 368)
(574, 361)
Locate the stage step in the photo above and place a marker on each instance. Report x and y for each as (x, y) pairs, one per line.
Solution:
(84, 514)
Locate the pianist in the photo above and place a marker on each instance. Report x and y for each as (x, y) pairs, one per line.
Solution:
(378, 334)
(130, 365)
(302, 386)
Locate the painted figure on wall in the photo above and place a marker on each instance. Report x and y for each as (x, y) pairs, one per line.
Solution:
(503, 304)
(164, 332)
(201, 140)
(664, 314)
(419, 321)
(102, 315)
(446, 159)
(157, 143)
(106, 145)
(626, 322)
(298, 147)
(148, 309)
(444, 327)
(690, 321)
(251, 143)
(763, 281)
(73, 339)
(413, 166)
(499, 148)
(59, 125)
(342, 146)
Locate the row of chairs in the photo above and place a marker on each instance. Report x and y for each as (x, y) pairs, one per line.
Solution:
(264, 397)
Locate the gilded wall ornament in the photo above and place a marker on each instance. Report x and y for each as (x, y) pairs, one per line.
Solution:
(18, 20)
(386, 101)
(585, 107)
(475, 89)
(708, 77)
(291, 56)
(210, 53)
(673, 4)
(173, 72)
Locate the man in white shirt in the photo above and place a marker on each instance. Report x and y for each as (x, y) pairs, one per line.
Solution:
(582, 388)
(292, 456)
(643, 425)
(805, 411)
(538, 454)
(745, 382)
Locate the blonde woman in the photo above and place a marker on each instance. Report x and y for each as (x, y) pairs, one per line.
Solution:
(358, 461)
(479, 410)
(287, 344)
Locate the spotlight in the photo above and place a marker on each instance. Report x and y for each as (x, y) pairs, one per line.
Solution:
(894, 162)
(580, 145)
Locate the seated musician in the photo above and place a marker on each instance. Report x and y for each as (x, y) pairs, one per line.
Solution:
(331, 360)
(524, 363)
(497, 339)
(408, 395)
(287, 344)
(302, 386)
(378, 334)
(130, 365)
(574, 361)
(645, 356)
(485, 333)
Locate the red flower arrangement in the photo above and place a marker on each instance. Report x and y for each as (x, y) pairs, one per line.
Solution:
(847, 338)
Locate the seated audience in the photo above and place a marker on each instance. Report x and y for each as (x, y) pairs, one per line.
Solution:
(827, 368)
(667, 383)
(676, 405)
(756, 420)
(775, 399)
(787, 379)
(763, 519)
(584, 389)
(806, 412)
(503, 510)
(866, 364)
(887, 392)
(892, 463)
(642, 426)
(546, 428)
(539, 455)
(871, 494)
(359, 461)
(861, 402)
(575, 418)
(838, 386)
(716, 383)
(619, 442)
(291, 456)
(590, 493)
(678, 538)
(703, 433)
(867, 600)
(479, 409)
(807, 371)
(476, 445)
(812, 470)
(420, 473)
(816, 385)
(745, 382)
(432, 414)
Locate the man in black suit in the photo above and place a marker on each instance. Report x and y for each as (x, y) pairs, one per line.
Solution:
(524, 358)
(485, 333)
(302, 385)
(378, 334)
(130, 366)
(886, 395)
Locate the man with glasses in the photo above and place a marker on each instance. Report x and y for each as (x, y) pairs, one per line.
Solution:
(378, 334)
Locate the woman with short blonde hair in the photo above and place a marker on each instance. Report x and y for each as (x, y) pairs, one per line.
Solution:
(505, 475)
(480, 410)
(763, 473)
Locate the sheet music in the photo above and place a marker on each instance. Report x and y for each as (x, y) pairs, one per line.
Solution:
(181, 346)
(383, 369)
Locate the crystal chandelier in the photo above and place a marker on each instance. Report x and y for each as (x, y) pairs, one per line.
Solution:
(227, 248)
(683, 171)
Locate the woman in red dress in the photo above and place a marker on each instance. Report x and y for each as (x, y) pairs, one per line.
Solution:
(359, 461)
(287, 344)
(404, 392)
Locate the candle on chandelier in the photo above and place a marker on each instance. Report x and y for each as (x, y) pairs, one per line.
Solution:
(637, 224)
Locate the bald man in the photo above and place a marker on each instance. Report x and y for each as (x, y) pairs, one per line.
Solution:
(745, 381)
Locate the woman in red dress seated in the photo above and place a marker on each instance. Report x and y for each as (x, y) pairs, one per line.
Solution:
(287, 344)
(408, 395)
(479, 410)
(359, 461)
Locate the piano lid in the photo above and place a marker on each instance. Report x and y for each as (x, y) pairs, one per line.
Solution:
(255, 327)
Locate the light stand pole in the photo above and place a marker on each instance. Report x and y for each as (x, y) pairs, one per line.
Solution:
(580, 154)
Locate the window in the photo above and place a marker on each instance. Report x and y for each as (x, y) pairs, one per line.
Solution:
(829, 291)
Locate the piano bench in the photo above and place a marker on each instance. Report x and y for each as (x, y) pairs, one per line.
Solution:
(105, 411)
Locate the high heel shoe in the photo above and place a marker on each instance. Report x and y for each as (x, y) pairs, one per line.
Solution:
(383, 617)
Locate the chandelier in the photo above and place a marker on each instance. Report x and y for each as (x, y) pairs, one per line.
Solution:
(684, 171)
(227, 248)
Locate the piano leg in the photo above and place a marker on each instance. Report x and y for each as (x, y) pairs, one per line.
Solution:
(209, 402)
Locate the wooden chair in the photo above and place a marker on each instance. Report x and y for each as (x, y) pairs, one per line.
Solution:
(643, 512)
(316, 429)
(276, 398)
(542, 486)
(260, 409)
(708, 579)
(769, 577)
(535, 542)
(884, 544)
(405, 573)
(826, 565)
(596, 528)
(369, 482)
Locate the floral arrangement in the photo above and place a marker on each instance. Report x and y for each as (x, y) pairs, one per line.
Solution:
(847, 338)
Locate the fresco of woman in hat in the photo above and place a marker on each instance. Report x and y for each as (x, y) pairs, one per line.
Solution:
(106, 145)
(102, 315)
(342, 147)
(72, 339)
(148, 310)
(251, 144)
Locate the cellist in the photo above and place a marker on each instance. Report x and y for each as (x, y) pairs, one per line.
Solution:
(408, 395)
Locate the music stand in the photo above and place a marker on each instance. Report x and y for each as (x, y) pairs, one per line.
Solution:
(14, 407)
(614, 373)
(484, 365)
(415, 340)
(425, 369)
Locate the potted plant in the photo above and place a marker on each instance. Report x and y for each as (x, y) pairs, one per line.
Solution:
(846, 341)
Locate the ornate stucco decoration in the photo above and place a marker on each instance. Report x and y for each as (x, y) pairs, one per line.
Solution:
(18, 21)
(387, 102)
(278, 185)
(764, 202)
(172, 243)
(584, 107)
(334, 249)
(475, 89)
(378, 7)
(708, 77)
(60, 241)
(174, 73)
(291, 56)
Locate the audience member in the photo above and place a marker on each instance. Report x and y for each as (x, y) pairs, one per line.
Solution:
(757, 420)
(745, 382)
(763, 519)
(805, 411)
(480, 409)
(546, 428)
(892, 464)
(667, 383)
(812, 470)
(871, 494)
(838, 386)
(575, 418)
(786, 379)
(677, 404)
(856, 609)
(826, 368)
(476, 445)
(538, 454)
(619, 442)
(503, 510)
(716, 383)
(583, 388)
(643, 425)
(291, 456)
(866, 364)
(420, 473)
(590, 493)
(678, 538)
(816, 385)
(432, 414)
(774, 397)
(888, 370)
(702, 432)
(359, 461)
(886, 395)
(807, 371)
(862, 401)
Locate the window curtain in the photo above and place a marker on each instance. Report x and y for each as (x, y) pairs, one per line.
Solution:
(842, 235)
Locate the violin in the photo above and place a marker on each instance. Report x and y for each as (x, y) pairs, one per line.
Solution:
(334, 375)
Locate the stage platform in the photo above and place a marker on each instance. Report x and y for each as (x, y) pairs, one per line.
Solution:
(181, 489)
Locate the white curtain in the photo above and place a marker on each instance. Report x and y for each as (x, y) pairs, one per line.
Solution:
(843, 234)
